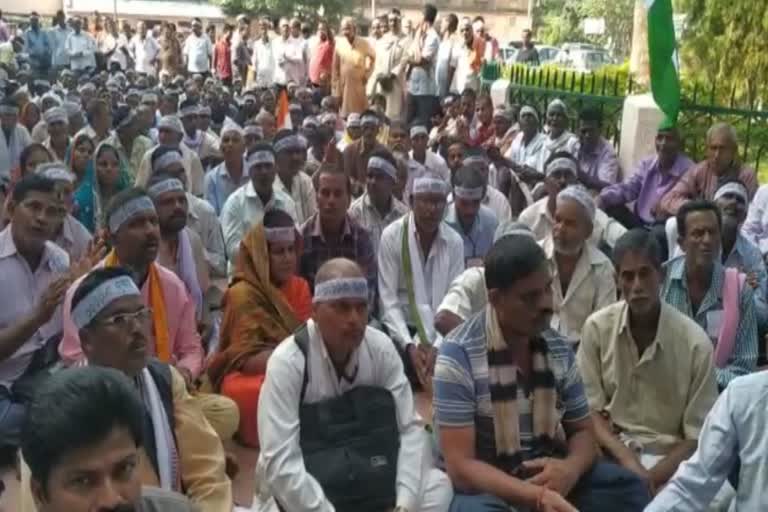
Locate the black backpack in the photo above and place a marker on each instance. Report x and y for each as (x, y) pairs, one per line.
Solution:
(350, 444)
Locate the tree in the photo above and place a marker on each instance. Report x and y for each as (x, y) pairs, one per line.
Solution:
(724, 43)
(311, 10)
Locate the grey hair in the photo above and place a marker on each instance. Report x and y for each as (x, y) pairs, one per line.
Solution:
(725, 128)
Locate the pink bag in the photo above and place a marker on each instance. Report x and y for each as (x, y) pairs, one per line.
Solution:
(734, 283)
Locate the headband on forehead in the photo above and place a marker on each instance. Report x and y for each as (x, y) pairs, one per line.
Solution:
(582, 196)
(341, 288)
(562, 164)
(253, 129)
(530, 111)
(191, 110)
(380, 164)
(735, 188)
(369, 119)
(418, 130)
(260, 157)
(470, 194)
(287, 234)
(161, 187)
(169, 158)
(427, 185)
(291, 142)
(101, 297)
(55, 172)
(129, 210)
(503, 113)
(474, 160)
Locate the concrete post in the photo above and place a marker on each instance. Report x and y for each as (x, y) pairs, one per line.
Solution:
(639, 123)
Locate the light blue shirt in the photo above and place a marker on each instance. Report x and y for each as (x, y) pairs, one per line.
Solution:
(422, 78)
(219, 185)
(57, 37)
(479, 239)
(710, 316)
(735, 429)
(38, 47)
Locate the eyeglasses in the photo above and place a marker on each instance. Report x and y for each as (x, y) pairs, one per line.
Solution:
(119, 320)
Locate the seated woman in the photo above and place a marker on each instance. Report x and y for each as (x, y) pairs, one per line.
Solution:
(265, 304)
(32, 156)
(106, 175)
(79, 155)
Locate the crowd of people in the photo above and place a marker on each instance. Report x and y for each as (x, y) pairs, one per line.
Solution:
(279, 239)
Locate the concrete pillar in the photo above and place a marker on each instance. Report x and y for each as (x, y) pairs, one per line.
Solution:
(639, 123)
(499, 92)
(638, 58)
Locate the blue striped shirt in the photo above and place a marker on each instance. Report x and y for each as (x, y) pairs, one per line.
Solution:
(462, 396)
(710, 316)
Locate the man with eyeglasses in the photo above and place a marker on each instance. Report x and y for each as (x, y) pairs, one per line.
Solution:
(182, 452)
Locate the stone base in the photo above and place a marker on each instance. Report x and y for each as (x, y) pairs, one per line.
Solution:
(639, 124)
(499, 92)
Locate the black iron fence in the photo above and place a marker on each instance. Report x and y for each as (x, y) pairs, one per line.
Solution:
(606, 89)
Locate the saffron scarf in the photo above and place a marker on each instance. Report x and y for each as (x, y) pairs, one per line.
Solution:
(503, 385)
(157, 303)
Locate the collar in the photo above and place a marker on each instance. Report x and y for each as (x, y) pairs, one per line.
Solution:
(222, 171)
(658, 341)
(49, 258)
(368, 204)
(589, 253)
(250, 192)
(677, 272)
(318, 232)
(353, 365)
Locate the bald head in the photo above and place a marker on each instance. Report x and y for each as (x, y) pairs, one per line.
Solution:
(337, 268)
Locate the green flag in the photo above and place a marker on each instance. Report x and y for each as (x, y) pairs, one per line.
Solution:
(662, 50)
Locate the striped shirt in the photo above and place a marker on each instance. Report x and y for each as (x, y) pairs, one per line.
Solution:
(710, 316)
(462, 396)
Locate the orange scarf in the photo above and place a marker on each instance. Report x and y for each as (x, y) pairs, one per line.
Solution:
(157, 303)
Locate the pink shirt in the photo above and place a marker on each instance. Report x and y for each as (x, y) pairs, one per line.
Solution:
(186, 347)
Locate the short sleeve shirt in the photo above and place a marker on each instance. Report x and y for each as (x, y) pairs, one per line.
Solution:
(462, 396)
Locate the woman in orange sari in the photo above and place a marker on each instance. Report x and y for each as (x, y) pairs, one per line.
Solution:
(266, 302)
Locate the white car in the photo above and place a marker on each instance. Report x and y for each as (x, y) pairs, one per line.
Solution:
(547, 54)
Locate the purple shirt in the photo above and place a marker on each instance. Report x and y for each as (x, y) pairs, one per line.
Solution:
(601, 163)
(646, 186)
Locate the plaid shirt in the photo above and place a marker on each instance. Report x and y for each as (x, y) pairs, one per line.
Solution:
(363, 211)
(710, 316)
(355, 244)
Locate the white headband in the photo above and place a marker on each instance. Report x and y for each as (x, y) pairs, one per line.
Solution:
(191, 110)
(129, 210)
(560, 164)
(419, 130)
(253, 129)
(55, 172)
(169, 158)
(470, 194)
(280, 234)
(429, 186)
(161, 187)
(369, 119)
(260, 157)
(376, 162)
(735, 188)
(474, 160)
(291, 142)
(101, 297)
(582, 196)
(341, 288)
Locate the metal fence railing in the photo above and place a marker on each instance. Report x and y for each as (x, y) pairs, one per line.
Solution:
(606, 89)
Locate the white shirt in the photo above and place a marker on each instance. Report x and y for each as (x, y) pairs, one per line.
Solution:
(198, 52)
(565, 142)
(464, 76)
(446, 58)
(467, 294)
(444, 263)
(735, 429)
(281, 465)
(303, 194)
(499, 204)
(58, 39)
(755, 228)
(191, 163)
(528, 154)
(119, 56)
(144, 53)
(263, 63)
(538, 218)
(10, 150)
(289, 57)
(243, 209)
(81, 49)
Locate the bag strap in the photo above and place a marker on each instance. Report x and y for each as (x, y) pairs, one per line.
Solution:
(408, 271)
(733, 283)
(301, 338)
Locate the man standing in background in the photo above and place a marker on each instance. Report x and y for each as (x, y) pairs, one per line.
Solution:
(422, 89)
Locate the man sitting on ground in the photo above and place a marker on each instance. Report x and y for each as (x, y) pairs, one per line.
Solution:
(419, 258)
(90, 421)
(511, 416)
(699, 286)
(653, 177)
(598, 161)
(475, 223)
(647, 369)
(290, 156)
(562, 170)
(341, 354)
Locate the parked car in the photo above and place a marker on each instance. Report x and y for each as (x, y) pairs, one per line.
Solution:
(507, 54)
(583, 57)
(547, 54)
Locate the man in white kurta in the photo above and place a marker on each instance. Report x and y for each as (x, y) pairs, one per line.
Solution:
(13, 137)
(388, 76)
(371, 360)
(431, 271)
